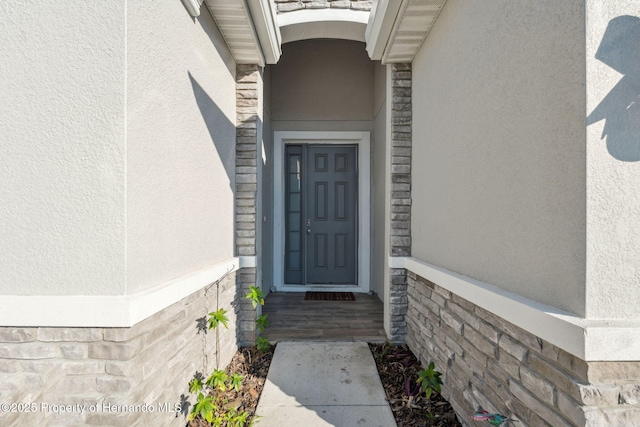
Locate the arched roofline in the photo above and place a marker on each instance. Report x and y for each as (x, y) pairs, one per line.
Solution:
(323, 23)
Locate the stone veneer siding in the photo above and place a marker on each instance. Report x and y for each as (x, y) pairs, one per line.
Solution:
(149, 363)
(293, 5)
(247, 143)
(488, 361)
(401, 113)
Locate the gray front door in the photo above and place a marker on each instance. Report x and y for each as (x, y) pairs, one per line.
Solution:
(322, 215)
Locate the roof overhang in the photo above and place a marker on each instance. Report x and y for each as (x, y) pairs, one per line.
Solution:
(248, 27)
(393, 31)
(263, 15)
(397, 28)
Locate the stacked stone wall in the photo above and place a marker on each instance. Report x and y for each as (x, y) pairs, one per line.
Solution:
(248, 80)
(401, 122)
(150, 363)
(283, 6)
(488, 361)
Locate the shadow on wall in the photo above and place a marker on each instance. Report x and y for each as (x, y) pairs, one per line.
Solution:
(219, 127)
(620, 49)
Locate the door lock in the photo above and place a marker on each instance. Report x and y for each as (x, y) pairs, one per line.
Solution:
(308, 226)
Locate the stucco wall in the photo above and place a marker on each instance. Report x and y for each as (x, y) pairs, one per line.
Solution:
(108, 131)
(180, 143)
(613, 158)
(62, 129)
(320, 80)
(498, 147)
(378, 181)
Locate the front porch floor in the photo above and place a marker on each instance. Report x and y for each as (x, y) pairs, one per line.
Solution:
(291, 318)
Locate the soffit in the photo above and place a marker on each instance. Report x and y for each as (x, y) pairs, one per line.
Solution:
(412, 26)
(395, 31)
(397, 28)
(235, 24)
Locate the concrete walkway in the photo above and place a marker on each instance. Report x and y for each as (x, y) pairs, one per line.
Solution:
(321, 384)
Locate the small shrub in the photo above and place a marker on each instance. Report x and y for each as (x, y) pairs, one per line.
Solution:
(235, 381)
(262, 344)
(217, 380)
(213, 406)
(429, 380)
(204, 407)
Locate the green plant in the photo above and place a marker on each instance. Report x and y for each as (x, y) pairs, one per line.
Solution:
(195, 385)
(217, 380)
(430, 418)
(217, 317)
(212, 405)
(204, 407)
(235, 418)
(262, 344)
(262, 322)
(235, 381)
(256, 296)
(429, 380)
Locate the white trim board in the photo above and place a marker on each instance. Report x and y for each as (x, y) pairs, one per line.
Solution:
(588, 339)
(264, 20)
(307, 16)
(107, 311)
(328, 23)
(381, 19)
(193, 6)
(362, 140)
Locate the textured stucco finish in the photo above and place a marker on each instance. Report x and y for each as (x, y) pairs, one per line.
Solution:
(498, 147)
(120, 141)
(613, 158)
(62, 127)
(322, 80)
(181, 116)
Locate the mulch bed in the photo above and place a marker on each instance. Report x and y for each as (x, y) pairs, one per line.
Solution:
(395, 365)
(398, 369)
(253, 365)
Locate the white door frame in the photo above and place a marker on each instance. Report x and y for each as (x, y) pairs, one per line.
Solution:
(362, 141)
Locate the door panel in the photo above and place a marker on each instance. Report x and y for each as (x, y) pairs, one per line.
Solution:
(331, 230)
(321, 220)
(320, 194)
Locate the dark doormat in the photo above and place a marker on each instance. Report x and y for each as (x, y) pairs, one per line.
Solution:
(329, 296)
